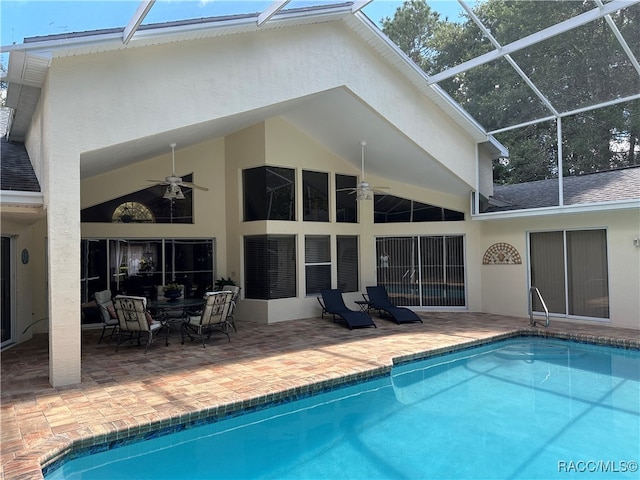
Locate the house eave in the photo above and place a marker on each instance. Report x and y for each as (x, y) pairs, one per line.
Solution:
(596, 207)
(14, 198)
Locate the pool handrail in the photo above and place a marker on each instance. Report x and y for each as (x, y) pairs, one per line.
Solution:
(532, 322)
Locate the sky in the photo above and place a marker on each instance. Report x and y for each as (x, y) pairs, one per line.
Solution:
(29, 18)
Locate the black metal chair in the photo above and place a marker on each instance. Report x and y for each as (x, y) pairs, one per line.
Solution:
(214, 317)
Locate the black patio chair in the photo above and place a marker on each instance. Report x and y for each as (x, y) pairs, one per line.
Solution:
(378, 299)
(334, 304)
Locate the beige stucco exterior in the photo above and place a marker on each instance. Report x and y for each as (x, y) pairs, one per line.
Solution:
(115, 100)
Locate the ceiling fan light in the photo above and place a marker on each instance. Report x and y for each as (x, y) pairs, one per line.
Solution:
(364, 195)
(173, 192)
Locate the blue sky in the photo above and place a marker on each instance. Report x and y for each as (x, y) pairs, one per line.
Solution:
(28, 18)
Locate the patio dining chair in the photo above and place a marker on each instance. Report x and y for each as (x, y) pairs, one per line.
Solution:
(107, 312)
(214, 317)
(234, 301)
(134, 319)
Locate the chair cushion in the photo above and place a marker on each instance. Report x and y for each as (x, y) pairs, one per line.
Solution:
(111, 309)
(150, 319)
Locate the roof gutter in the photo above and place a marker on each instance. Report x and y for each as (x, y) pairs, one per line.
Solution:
(598, 207)
(15, 198)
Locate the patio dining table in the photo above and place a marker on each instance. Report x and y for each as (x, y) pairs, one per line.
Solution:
(173, 311)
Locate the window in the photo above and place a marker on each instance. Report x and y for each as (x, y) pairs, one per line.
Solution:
(423, 271)
(392, 209)
(315, 192)
(130, 212)
(346, 211)
(347, 263)
(269, 194)
(270, 266)
(138, 267)
(144, 206)
(583, 290)
(317, 258)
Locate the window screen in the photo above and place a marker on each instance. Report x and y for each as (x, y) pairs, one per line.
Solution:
(269, 193)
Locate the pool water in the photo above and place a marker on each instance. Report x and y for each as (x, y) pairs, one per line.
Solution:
(521, 408)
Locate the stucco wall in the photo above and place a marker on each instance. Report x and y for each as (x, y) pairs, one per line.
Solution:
(504, 287)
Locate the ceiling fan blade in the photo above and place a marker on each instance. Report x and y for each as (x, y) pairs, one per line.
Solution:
(350, 189)
(381, 188)
(193, 185)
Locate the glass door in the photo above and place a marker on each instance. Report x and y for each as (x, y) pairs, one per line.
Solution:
(6, 284)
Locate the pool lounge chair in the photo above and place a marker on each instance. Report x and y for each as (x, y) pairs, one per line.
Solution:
(378, 299)
(334, 304)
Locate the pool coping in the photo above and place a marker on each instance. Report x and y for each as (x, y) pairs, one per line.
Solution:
(58, 450)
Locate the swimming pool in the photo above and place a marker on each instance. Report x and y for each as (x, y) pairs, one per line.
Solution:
(521, 408)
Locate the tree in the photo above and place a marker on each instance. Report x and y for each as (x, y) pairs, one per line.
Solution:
(412, 29)
(575, 69)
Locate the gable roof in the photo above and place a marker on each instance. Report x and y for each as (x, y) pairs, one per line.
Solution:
(607, 186)
(29, 62)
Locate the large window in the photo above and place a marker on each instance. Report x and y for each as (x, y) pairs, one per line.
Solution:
(423, 271)
(144, 206)
(315, 196)
(317, 259)
(270, 266)
(392, 209)
(269, 194)
(347, 263)
(138, 267)
(346, 205)
(570, 270)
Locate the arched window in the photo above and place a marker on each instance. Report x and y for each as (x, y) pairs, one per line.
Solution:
(132, 212)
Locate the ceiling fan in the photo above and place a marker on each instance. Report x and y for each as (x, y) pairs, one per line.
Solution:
(174, 192)
(363, 190)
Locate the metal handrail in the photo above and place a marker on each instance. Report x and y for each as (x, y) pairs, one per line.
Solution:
(532, 322)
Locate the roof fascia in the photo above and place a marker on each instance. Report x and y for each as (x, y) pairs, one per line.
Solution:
(564, 210)
(15, 198)
(479, 133)
(114, 38)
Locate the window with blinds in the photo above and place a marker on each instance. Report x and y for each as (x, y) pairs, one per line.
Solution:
(426, 271)
(270, 266)
(317, 258)
(570, 269)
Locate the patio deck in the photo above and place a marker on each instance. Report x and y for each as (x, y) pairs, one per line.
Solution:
(127, 392)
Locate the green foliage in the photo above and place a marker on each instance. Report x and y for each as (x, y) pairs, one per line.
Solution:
(222, 282)
(573, 70)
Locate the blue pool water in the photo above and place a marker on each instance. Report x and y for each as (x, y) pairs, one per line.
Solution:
(521, 408)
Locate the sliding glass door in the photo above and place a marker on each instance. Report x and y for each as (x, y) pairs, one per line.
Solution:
(570, 269)
(140, 266)
(426, 271)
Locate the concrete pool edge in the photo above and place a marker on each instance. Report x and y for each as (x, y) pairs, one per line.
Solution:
(60, 449)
